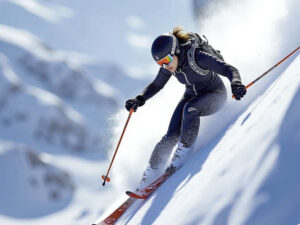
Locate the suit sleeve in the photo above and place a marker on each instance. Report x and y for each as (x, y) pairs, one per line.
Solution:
(210, 62)
(157, 84)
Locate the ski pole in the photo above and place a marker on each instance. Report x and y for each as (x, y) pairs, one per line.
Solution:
(105, 177)
(269, 70)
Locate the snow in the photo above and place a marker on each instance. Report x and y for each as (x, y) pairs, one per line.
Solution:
(9, 78)
(66, 68)
(31, 187)
(45, 116)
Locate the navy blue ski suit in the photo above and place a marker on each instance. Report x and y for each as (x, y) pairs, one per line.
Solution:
(204, 95)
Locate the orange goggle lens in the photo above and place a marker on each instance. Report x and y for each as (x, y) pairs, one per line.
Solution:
(166, 60)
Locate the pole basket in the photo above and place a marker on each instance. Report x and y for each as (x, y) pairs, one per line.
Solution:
(105, 178)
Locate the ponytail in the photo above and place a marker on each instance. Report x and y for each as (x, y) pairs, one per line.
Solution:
(178, 32)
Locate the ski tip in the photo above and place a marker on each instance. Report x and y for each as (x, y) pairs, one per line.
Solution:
(134, 195)
(131, 194)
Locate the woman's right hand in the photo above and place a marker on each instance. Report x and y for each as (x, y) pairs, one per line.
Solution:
(134, 103)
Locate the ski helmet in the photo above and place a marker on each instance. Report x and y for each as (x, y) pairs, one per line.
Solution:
(163, 45)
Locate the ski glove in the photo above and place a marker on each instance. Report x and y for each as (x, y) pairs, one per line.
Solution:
(238, 90)
(134, 103)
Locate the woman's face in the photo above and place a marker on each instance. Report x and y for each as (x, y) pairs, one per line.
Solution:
(173, 65)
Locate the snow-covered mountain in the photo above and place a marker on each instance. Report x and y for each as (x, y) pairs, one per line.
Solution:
(30, 186)
(53, 70)
(59, 74)
(55, 102)
(114, 32)
(30, 115)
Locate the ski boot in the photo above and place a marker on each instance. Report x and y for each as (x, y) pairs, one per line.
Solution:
(149, 175)
(179, 158)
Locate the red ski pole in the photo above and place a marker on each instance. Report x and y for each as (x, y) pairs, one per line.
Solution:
(269, 70)
(105, 177)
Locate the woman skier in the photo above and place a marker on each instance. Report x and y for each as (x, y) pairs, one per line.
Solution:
(180, 54)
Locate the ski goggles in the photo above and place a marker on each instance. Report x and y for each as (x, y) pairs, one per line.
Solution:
(165, 61)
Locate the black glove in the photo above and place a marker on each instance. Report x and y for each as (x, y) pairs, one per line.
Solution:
(238, 90)
(134, 103)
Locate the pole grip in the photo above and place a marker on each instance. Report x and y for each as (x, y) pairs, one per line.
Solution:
(249, 85)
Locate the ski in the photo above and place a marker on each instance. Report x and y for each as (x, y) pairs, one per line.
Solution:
(149, 189)
(112, 218)
(133, 196)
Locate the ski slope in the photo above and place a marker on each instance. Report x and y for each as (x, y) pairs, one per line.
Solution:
(247, 175)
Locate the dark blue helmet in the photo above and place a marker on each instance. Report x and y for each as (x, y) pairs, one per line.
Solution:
(163, 45)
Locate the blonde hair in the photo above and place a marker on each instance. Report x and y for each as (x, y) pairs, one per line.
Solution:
(180, 34)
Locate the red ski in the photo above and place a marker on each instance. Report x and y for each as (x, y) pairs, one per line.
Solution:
(148, 190)
(112, 218)
(142, 194)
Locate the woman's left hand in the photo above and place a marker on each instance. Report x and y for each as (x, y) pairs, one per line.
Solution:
(238, 91)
